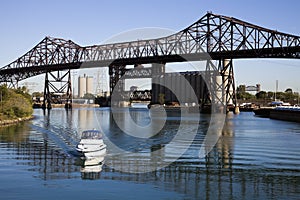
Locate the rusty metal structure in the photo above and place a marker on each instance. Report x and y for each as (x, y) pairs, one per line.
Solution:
(61, 93)
(213, 37)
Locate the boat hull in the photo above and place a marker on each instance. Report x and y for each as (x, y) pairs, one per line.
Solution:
(263, 112)
(286, 115)
(281, 113)
(90, 151)
(92, 154)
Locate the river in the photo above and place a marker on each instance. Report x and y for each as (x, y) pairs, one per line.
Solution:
(254, 158)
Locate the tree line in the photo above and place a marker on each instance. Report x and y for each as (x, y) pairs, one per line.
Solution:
(14, 103)
(287, 96)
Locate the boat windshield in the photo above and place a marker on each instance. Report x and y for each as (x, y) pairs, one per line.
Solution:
(91, 134)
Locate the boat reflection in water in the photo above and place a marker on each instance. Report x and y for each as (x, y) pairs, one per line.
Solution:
(92, 150)
(91, 144)
(90, 168)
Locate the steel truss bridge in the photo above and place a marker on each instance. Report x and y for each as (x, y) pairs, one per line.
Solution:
(213, 37)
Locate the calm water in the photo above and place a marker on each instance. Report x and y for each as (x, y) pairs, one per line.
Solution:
(256, 158)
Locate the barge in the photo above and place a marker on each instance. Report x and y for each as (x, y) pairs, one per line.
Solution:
(263, 111)
(286, 113)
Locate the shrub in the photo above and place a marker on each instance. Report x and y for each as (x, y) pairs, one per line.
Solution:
(14, 105)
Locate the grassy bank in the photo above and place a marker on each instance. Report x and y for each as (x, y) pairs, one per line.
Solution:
(15, 105)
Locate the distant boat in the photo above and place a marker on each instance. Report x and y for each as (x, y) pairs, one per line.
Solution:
(286, 113)
(91, 144)
(266, 111)
(247, 107)
(279, 103)
(139, 105)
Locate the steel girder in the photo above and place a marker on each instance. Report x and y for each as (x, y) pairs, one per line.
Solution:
(51, 54)
(117, 85)
(54, 94)
(212, 36)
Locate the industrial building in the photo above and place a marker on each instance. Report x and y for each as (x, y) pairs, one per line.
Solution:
(186, 85)
(85, 85)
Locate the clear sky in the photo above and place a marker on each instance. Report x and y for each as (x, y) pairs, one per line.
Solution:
(25, 23)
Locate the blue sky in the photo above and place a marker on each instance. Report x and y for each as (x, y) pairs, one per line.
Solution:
(25, 23)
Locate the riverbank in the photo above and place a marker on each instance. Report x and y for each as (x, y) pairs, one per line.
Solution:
(9, 122)
(74, 105)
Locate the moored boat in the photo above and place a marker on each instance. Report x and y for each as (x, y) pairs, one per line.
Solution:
(247, 107)
(263, 111)
(266, 111)
(286, 113)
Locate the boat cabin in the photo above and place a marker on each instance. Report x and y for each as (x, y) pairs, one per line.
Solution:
(91, 134)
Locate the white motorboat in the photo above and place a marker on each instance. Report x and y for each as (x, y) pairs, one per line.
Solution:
(91, 144)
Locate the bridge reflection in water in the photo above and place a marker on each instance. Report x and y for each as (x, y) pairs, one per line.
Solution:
(45, 147)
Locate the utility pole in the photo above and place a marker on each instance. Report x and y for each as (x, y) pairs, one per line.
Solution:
(276, 88)
(74, 73)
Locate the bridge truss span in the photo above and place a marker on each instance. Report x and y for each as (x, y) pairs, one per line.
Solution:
(220, 36)
(213, 37)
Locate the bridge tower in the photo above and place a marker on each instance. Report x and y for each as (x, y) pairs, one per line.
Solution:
(226, 70)
(221, 84)
(157, 69)
(57, 94)
(116, 84)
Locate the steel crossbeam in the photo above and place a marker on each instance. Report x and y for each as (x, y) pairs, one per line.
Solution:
(221, 36)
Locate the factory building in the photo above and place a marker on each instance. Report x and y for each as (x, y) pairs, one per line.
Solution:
(85, 85)
(186, 85)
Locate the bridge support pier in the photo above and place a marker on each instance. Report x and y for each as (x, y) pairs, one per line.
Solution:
(116, 84)
(226, 70)
(57, 94)
(157, 69)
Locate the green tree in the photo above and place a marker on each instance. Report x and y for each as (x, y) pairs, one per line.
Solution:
(242, 94)
(4, 92)
(241, 89)
(270, 95)
(88, 96)
(245, 96)
(14, 104)
(23, 91)
(289, 90)
(261, 95)
(37, 94)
